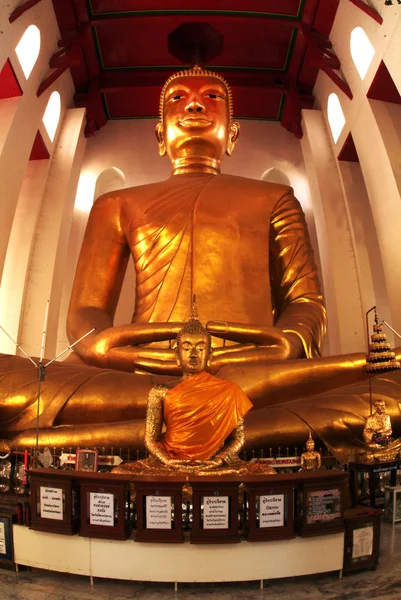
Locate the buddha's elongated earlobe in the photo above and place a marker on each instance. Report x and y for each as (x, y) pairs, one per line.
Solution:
(160, 139)
(232, 137)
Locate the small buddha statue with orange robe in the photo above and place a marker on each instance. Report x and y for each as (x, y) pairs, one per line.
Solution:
(203, 416)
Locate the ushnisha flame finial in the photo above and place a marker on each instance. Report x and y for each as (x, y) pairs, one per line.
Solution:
(193, 316)
(197, 71)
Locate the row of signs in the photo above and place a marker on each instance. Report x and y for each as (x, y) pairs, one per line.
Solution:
(159, 509)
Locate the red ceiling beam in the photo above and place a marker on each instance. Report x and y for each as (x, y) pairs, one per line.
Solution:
(68, 56)
(322, 56)
(368, 10)
(21, 9)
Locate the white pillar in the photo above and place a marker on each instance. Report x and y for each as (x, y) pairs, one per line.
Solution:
(341, 289)
(384, 196)
(50, 251)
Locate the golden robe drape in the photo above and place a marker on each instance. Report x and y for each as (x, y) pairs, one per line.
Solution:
(200, 413)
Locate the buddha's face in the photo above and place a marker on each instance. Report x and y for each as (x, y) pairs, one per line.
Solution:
(193, 353)
(196, 119)
(310, 445)
(380, 407)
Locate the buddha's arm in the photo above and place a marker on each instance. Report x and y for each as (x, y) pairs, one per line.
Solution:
(154, 424)
(100, 272)
(296, 293)
(233, 445)
(298, 304)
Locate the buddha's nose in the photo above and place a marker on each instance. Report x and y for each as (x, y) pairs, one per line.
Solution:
(195, 106)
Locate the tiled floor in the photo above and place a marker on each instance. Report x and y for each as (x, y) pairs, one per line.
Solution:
(382, 584)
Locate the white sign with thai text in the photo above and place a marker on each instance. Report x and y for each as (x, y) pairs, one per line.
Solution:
(2, 538)
(215, 512)
(271, 511)
(158, 512)
(51, 503)
(362, 542)
(101, 508)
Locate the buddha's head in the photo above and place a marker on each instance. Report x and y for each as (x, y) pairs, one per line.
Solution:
(196, 119)
(310, 444)
(380, 407)
(194, 346)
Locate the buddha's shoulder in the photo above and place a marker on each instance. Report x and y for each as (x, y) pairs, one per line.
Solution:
(263, 187)
(119, 197)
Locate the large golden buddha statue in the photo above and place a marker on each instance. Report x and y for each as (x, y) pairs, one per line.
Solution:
(242, 247)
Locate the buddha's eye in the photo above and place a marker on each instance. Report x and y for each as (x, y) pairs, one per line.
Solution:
(175, 97)
(214, 96)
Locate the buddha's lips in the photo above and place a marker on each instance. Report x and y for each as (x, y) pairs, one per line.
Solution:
(198, 121)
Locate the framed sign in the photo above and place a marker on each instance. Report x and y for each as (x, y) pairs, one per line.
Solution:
(6, 546)
(86, 460)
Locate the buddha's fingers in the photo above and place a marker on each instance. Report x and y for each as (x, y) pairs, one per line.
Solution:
(154, 360)
(261, 335)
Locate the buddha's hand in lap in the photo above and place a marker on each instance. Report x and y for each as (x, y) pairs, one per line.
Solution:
(254, 343)
(120, 347)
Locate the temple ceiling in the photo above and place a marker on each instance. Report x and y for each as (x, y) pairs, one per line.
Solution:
(119, 55)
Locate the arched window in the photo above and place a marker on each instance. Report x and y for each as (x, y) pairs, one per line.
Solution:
(362, 51)
(335, 115)
(52, 115)
(28, 48)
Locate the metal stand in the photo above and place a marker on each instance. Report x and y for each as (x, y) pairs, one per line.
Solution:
(42, 369)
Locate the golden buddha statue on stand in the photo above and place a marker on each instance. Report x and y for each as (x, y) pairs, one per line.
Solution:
(203, 417)
(242, 245)
(311, 459)
(378, 425)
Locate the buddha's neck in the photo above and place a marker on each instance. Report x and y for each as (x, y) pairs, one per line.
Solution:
(196, 164)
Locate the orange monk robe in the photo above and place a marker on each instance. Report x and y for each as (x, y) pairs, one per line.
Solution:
(200, 413)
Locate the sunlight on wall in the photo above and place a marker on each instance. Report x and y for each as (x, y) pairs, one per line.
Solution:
(27, 49)
(85, 192)
(335, 115)
(362, 51)
(52, 115)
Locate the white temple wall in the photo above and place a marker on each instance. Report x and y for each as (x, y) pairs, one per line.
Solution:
(24, 184)
(375, 130)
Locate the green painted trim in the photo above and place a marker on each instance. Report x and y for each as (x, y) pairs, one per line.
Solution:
(97, 48)
(290, 49)
(281, 107)
(191, 11)
(210, 68)
(105, 106)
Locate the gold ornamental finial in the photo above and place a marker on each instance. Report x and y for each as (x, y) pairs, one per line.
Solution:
(380, 357)
(196, 71)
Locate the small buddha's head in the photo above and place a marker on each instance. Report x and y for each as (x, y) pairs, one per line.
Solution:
(310, 444)
(196, 117)
(380, 407)
(194, 346)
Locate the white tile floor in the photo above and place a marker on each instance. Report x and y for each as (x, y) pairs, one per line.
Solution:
(382, 584)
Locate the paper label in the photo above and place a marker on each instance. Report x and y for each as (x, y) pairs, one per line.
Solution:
(2, 539)
(215, 512)
(51, 503)
(271, 511)
(362, 542)
(158, 512)
(101, 508)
